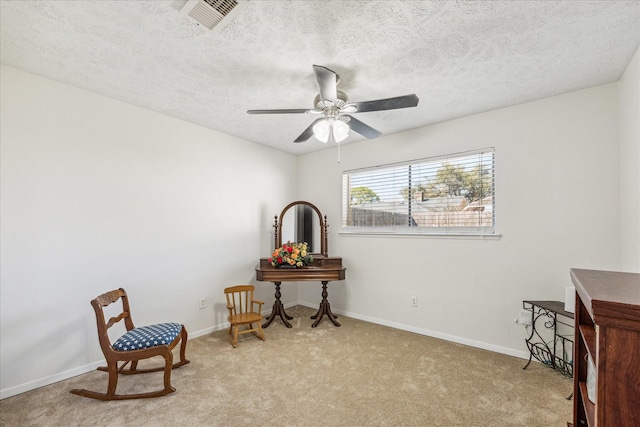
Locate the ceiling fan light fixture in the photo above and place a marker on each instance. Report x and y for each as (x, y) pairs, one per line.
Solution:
(321, 130)
(324, 128)
(340, 130)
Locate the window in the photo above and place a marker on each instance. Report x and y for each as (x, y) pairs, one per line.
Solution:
(445, 195)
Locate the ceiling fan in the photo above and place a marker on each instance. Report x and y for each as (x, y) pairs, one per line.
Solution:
(336, 110)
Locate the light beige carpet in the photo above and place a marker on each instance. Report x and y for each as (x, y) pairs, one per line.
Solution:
(359, 374)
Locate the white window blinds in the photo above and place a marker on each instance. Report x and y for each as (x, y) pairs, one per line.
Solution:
(452, 194)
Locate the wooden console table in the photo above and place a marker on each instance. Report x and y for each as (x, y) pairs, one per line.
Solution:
(323, 269)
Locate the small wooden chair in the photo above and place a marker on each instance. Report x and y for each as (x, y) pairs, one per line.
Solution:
(136, 344)
(240, 303)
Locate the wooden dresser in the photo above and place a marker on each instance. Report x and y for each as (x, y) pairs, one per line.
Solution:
(607, 328)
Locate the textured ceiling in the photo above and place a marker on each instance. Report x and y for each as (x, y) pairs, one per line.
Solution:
(460, 58)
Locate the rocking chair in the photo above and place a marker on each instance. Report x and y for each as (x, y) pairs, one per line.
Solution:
(135, 345)
(240, 304)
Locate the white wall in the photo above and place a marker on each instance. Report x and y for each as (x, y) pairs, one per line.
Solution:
(629, 95)
(557, 207)
(98, 194)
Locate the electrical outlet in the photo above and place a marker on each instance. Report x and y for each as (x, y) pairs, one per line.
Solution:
(203, 303)
(525, 318)
(414, 301)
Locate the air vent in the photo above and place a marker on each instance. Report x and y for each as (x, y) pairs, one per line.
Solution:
(208, 13)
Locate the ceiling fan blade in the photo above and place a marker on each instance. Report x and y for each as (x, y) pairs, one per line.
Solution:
(405, 101)
(363, 129)
(308, 132)
(289, 111)
(327, 82)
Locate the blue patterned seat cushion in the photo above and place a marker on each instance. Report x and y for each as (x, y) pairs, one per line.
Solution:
(148, 336)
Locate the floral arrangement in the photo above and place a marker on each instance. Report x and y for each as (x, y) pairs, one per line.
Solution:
(293, 254)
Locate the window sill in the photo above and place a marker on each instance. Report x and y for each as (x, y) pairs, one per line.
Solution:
(461, 236)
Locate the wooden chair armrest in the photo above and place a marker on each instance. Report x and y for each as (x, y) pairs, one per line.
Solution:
(256, 301)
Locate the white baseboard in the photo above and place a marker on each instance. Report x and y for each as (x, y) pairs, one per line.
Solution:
(427, 332)
(51, 379)
(41, 382)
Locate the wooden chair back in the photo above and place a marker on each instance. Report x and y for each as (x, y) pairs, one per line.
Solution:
(99, 304)
(240, 298)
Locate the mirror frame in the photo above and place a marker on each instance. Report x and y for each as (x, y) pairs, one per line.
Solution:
(323, 226)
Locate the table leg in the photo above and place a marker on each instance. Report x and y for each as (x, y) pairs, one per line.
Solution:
(278, 310)
(325, 308)
(528, 340)
(322, 309)
(530, 356)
